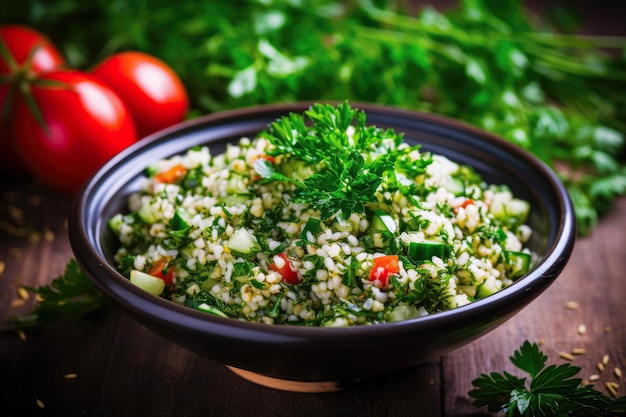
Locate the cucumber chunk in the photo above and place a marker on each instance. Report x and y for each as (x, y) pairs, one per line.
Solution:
(425, 250)
(383, 222)
(147, 282)
(518, 263)
(243, 243)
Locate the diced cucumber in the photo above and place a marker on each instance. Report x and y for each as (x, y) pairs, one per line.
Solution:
(208, 284)
(243, 243)
(147, 282)
(512, 211)
(402, 312)
(425, 250)
(488, 287)
(211, 310)
(147, 213)
(383, 221)
(469, 290)
(115, 223)
(455, 185)
(235, 198)
(518, 263)
(180, 219)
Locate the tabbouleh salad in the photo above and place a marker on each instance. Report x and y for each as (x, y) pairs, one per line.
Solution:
(321, 220)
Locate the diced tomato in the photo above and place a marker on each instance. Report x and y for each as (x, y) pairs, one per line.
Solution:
(383, 268)
(268, 158)
(289, 275)
(161, 269)
(172, 175)
(466, 203)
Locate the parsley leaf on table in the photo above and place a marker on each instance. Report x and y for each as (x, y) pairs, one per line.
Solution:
(552, 391)
(71, 295)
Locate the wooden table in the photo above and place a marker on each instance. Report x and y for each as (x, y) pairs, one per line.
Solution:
(112, 366)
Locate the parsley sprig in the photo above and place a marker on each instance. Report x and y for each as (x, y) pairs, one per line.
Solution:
(72, 295)
(350, 160)
(552, 391)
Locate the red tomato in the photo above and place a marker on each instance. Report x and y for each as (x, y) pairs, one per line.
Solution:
(20, 42)
(466, 203)
(87, 125)
(160, 269)
(289, 275)
(383, 268)
(153, 92)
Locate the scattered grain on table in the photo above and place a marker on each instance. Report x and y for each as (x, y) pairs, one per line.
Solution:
(21, 334)
(611, 389)
(578, 351)
(23, 293)
(70, 376)
(600, 366)
(582, 329)
(40, 403)
(617, 372)
(571, 305)
(566, 356)
(605, 359)
(594, 377)
(17, 303)
(48, 235)
(607, 329)
(2, 267)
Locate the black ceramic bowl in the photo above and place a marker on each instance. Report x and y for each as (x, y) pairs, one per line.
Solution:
(324, 354)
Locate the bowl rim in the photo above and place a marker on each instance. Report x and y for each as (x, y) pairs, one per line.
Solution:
(132, 298)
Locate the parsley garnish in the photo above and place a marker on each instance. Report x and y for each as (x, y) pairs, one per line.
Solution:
(553, 390)
(71, 295)
(350, 160)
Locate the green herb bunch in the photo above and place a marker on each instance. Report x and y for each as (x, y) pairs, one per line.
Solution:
(487, 62)
(342, 180)
(552, 392)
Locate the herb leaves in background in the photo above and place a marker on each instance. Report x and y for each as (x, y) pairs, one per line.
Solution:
(487, 62)
(552, 390)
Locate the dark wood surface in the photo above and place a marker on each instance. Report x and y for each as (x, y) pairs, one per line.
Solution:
(112, 366)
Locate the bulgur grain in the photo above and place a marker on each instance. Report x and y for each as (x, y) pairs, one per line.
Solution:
(566, 356)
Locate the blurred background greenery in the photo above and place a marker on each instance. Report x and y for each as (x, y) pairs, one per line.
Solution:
(528, 77)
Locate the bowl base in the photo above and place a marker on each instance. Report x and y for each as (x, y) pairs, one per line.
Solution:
(288, 384)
